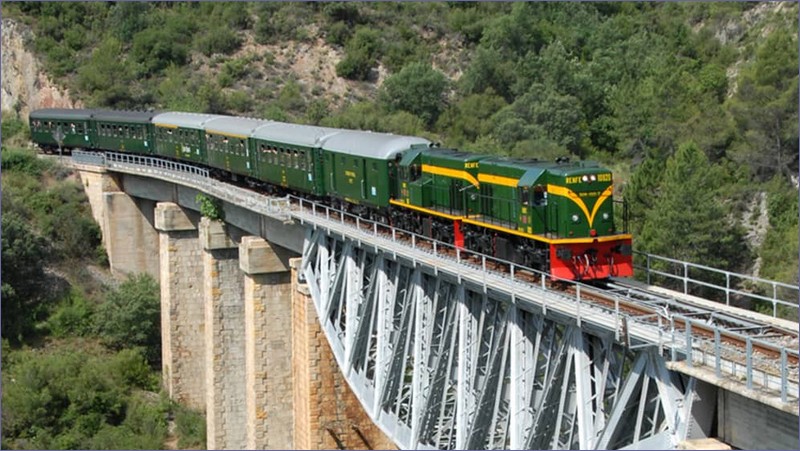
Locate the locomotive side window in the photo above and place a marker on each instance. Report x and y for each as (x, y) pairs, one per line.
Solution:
(539, 196)
(523, 195)
(416, 172)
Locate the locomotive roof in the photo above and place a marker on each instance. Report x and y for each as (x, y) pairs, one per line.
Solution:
(239, 126)
(299, 135)
(61, 113)
(186, 120)
(369, 144)
(124, 116)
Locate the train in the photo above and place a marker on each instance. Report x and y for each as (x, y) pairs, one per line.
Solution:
(554, 216)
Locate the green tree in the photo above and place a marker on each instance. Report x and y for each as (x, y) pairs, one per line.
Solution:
(688, 221)
(155, 49)
(105, 78)
(67, 397)
(23, 257)
(468, 118)
(361, 54)
(643, 189)
(131, 317)
(417, 88)
(765, 109)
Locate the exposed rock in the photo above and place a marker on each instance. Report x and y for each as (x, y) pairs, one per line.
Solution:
(24, 86)
(756, 222)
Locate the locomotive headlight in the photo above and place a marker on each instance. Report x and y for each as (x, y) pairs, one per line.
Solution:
(585, 178)
(606, 216)
(593, 178)
(575, 219)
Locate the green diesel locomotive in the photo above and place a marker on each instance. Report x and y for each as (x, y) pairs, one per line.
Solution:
(553, 216)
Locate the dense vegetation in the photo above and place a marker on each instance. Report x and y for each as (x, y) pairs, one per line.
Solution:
(81, 360)
(693, 105)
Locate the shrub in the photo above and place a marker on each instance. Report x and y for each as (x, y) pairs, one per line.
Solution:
(131, 317)
(362, 52)
(210, 207)
(417, 88)
(19, 160)
(73, 316)
(191, 427)
(220, 40)
(13, 126)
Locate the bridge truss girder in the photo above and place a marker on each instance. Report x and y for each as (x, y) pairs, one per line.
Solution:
(438, 363)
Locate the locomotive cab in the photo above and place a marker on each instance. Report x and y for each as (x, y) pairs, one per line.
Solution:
(587, 244)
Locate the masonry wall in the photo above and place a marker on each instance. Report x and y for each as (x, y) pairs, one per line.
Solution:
(268, 333)
(327, 413)
(182, 311)
(224, 337)
(129, 234)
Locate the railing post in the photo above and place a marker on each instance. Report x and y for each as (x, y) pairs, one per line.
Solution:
(511, 270)
(784, 375)
(435, 248)
(749, 360)
(648, 269)
(578, 297)
(689, 357)
(727, 288)
(685, 278)
(717, 353)
(674, 352)
(774, 300)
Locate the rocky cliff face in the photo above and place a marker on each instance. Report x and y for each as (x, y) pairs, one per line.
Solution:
(24, 86)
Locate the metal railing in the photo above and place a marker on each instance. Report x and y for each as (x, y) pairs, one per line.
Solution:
(735, 284)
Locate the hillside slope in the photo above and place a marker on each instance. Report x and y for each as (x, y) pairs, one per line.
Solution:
(706, 89)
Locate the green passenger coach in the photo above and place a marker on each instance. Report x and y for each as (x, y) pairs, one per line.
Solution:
(181, 135)
(124, 131)
(55, 127)
(226, 140)
(359, 166)
(288, 155)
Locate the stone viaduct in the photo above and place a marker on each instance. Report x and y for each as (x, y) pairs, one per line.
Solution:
(240, 338)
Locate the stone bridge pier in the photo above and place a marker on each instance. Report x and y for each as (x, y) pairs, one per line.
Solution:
(240, 338)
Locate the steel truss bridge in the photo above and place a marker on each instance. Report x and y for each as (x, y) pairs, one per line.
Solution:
(445, 353)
